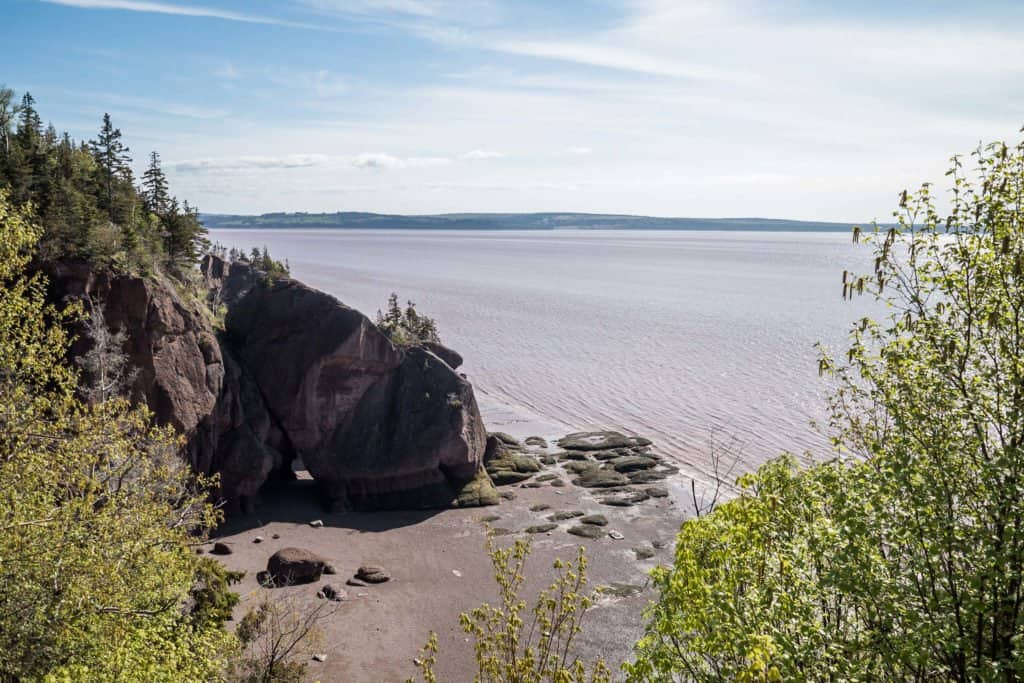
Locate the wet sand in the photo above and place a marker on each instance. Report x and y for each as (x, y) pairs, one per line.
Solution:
(440, 568)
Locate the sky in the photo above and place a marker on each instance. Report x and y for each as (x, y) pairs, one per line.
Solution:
(803, 109)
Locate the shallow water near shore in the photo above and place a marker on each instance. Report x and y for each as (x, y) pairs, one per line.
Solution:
(671, 335)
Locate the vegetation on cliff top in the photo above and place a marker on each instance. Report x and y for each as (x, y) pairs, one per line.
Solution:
(87, 199)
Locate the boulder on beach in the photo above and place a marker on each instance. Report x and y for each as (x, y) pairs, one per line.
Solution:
(536, 441)
(290, 566)
(596, 441)
(372, 573)
(632, 463)
(541, 528)
(586, 531)
(594, 520)
(600, 479)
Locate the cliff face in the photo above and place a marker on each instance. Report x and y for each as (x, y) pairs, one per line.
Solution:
(295, 373)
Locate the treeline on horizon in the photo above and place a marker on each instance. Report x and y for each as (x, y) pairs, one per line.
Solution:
(511, 221)
(87, 199)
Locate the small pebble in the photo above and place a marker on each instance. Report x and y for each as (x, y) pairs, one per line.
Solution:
(615, 535)
(319, 657)
(258, 539)
(457, 573)
(316, 523)
(276, 536)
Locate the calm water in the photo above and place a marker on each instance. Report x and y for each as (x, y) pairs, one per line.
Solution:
(666, 334)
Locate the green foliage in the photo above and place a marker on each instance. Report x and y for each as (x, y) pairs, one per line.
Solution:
(97, 512)
(904, 558)
(212, 596)
(539, 648)
(84, 196)
(406, 327)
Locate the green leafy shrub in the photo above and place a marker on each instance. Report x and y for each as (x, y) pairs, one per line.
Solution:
(98, 512)
(904, 558)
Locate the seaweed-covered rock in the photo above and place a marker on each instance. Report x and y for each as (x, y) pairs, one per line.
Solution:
(478, 493)
(627, 499)
(536, 441)
(594, 520)
(595, 441)
(600, 478)
(586, 531)
(647, 476)
(632, 463)
(541, 528)
(563, 515)
(507, 466)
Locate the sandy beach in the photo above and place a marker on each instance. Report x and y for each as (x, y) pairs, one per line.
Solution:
(439, 568)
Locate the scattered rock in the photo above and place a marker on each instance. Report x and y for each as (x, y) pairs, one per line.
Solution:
(501, 531)
(546, 477)
(548, 460)
(258, 539)
(319, 657)
(586, 531)
(659, 544)
(572, 456)
(615, 535)
(609, 455)
(330, 569)
(506, 439)
(275, 536)
(595, 441)
(629, 499)
(541, 528)
(507, 495)
(600, 479)
(656, 491)
(358, 583)
(531, 485)
(643, 552)
(565, 514)
(332, 593)
(295, 565)
(457, 573)
(317, 523)
(580, 466)
(221, 548)
(621, 590)
(647, 476)
(632, 463)
(371, 573)
(594, 520)
(558, 483)
(536, 441)
(540, 507)
(487, 519)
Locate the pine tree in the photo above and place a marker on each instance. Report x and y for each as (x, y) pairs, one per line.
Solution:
(154, 184)
(112, 156)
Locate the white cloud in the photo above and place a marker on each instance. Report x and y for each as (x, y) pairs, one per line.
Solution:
(580, 151)
(482, 154)
(250, 162)
(177, 10)
(227, 71)
(381, 160)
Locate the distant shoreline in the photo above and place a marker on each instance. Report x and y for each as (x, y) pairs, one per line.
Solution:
(511, 221)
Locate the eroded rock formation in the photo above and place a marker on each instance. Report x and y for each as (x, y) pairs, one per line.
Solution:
(294, 374)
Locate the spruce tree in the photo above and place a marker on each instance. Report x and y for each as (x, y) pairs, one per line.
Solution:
(154, 184)
(113, 160)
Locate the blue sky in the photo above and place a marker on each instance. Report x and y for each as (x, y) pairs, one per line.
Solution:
(798, 109)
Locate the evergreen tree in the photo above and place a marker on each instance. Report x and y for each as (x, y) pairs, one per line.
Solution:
(113, 160)
(155, 192)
